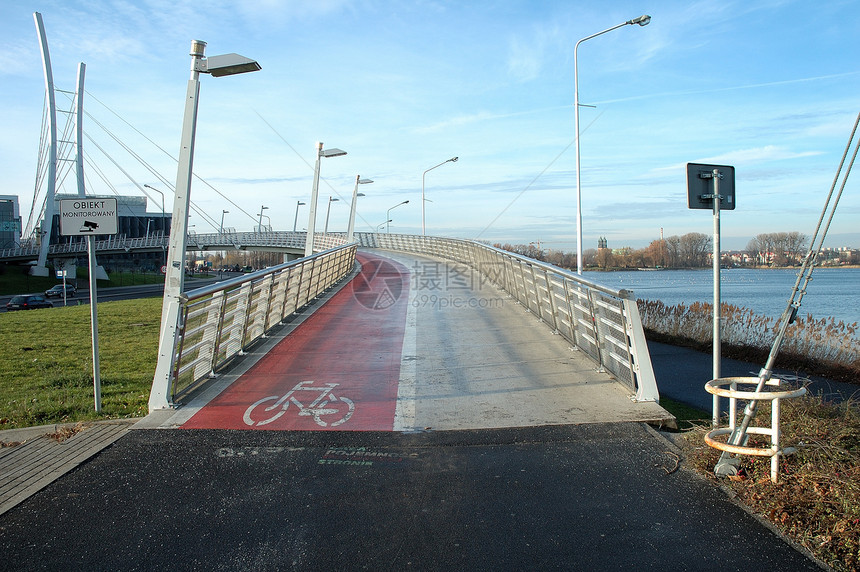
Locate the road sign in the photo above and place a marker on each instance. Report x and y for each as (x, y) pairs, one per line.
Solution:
(88, 216)
(700, 186)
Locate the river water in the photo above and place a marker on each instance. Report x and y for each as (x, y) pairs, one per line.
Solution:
(832, 293)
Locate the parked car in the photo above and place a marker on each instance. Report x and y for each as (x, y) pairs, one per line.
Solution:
(57, 291)
(27, 303)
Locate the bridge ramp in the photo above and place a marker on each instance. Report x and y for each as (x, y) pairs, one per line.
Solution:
(474, 358)
(415, 343)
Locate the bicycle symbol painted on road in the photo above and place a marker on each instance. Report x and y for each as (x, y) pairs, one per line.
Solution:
(336, 410)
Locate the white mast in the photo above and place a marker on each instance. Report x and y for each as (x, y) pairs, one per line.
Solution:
(41, 268)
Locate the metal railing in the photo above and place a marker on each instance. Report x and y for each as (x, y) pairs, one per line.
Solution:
(220, 321)
(602, 322)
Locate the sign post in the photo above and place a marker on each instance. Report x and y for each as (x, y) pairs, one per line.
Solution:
(87, 216)
(701, 196)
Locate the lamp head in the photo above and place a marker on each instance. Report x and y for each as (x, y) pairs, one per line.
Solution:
(227, 64)
(364, 181)
(334, 152)
(454, 159)
(641, 20)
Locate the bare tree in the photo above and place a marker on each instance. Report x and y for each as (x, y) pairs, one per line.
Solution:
(796, 246)
(694, 248)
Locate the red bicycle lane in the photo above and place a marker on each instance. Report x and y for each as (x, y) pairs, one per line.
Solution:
(337, 370)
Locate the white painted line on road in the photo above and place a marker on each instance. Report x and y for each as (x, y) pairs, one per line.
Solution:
(404, 413)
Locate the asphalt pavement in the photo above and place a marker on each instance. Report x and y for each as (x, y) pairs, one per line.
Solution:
(574, 497)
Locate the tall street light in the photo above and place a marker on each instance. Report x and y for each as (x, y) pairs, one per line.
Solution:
(328, 212)
(296, 220)
(451, 160)
(223, 212)
(162, 203)
(260, 223)
(350, 231)
(312, 218)
(642, 21)
(388, 216)
(174, 279)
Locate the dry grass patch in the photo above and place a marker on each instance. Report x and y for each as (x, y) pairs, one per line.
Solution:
(817, 501)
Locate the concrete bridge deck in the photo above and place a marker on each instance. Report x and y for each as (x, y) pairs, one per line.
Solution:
(417, 343)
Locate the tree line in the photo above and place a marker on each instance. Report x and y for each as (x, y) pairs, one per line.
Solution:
(691, 250)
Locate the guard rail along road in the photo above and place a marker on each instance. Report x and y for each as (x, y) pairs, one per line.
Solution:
(221, 321)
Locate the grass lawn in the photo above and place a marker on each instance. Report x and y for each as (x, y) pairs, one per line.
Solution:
(46, 363)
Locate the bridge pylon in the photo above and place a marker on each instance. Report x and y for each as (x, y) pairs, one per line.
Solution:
(39, 227)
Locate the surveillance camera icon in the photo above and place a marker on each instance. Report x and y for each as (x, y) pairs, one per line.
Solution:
(89, 226)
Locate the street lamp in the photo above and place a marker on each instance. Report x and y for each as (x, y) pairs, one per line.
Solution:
(162, 203)
(451, 160)
(296, 220)
(174, 279)
(388, 231)
(379, 226)
(328, 212)
(309, 240)
(642, 21)
(223, 212)
(350, 231)
(260, 223)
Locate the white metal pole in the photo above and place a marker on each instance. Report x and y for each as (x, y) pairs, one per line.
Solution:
(40, 269)
(174, 279)
(79, 130)
(296, 220)
(327, 213)
(350, 231)
(94, 321)
(312, 216)
(642, 21)
(451, 160)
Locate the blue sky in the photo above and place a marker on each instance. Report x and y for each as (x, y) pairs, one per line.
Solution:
(770, 87)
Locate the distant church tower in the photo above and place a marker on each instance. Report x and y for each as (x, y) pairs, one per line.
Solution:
(601, 243)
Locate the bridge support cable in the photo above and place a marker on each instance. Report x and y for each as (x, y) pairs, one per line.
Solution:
(728, 464)
(163, 180)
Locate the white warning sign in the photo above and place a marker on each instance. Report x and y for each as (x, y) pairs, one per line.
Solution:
(87, 216)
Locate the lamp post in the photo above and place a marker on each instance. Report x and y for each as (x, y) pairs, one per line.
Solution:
(223, 212)
(260, 223)
(388, 216)
(296, 220)
(379, 226)
(162, 203)
(328, 212)
(642, 21)
(350, 231)
(309, 241)
(174, 279)
(451, 160)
